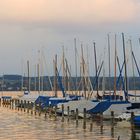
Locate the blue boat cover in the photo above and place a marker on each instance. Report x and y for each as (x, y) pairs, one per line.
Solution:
(104, 105)
(44, 100)
(6, 97)
(137, 120)
(100, 107)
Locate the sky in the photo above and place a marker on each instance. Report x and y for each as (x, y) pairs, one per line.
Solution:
(27, 26)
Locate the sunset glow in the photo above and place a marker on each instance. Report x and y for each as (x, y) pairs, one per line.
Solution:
(69, 10)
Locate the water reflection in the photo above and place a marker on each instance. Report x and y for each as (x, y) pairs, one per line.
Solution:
(17, 125)
(135, 134)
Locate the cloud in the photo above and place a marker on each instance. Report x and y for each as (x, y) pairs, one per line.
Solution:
(69, 11)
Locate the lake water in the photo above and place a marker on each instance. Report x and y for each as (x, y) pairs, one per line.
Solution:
(17, 125)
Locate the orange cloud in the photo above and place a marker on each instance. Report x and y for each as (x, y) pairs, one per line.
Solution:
(91, 11)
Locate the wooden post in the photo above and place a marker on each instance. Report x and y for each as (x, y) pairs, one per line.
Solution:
(77, 113)
(112, 123)
(15, 104)
(84, 119)
(91, 124)
(112, 117)
(62, 112)
(35, 108)
(101, 122)
(7, 103)
(45, 113)
(3, 102)
(25, 105)
(132, 120)
(31, 108)
(21, 105)
(39, 108)
(50, 111)
(118, 138)
(28, 103)
(55, 111)
(18, 104)
(12, 104)
(68, 112)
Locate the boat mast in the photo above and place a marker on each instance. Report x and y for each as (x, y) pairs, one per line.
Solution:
(87, 76)
(2, 86)
(55, 76)
(134, 82)
(109, 64)
(75, 65)
(42, 72)
(83, 71)
(63, 69)
(35, 79)
(115, 66)
(126, 86)
(28, 68)
(38, 73)
(103, 82)
(22, 75)
(96, 69)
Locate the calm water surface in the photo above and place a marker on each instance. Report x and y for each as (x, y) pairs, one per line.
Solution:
(17, 125)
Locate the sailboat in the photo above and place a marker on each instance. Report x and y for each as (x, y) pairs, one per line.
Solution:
(104, 105)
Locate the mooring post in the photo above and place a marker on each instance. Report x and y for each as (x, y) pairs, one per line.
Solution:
(62, 112)
(118, 138)
(0, 102)
(15, 104)
(28, 104)
(68, 112)
(132, 120)
(39, 109)
(101, 122)
(112, 117)
(112, 123)
(9, 103)
(6, 102)
(55, 111)
(32, 108)
(24, 105)
(84, 118)
(91, 124)
(18, 104)
(50, 111)
(45, 113)
(77, 114)
(35, 108)
(12, 104)
(21, 105)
